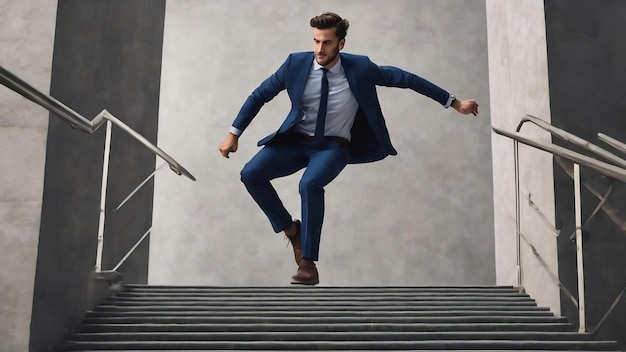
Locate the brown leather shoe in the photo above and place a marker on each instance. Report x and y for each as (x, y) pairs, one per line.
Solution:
(296, 242)
(307, 274)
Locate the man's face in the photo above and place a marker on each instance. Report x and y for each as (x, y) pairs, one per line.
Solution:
(326, 46)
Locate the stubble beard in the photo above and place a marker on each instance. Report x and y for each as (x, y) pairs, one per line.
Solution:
(328, 58)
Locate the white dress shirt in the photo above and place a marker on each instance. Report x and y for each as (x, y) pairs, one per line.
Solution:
(341, 107)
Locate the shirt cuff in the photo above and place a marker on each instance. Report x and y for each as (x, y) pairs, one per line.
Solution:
(234, 130)
(450, 100)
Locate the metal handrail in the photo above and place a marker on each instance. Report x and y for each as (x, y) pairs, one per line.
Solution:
(616, 302)
(615, 172)
(612, 142)
(551, 273)
(603, 204)
(76, 120)
(606, 169)
(543, 263)
(132, 193)
(130, 251)
(572, 138)
(543, 217)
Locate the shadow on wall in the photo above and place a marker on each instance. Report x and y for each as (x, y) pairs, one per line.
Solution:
(112, 62)
(585, 69)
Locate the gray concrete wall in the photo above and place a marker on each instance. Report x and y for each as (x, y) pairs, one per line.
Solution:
(26, 38)
(586, 70)
(518, 84)
(422, 217)
(112, 62)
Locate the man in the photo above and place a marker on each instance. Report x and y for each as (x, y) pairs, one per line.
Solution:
(335, 120)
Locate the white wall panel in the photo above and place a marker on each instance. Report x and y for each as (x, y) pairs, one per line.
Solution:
(518, 82)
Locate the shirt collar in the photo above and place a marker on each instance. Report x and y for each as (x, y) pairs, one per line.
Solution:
(335, 69)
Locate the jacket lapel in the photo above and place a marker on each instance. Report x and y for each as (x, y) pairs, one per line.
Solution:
(351, 76)
(300, 73)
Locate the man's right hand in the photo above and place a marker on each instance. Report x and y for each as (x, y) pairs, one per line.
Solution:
(228, 145)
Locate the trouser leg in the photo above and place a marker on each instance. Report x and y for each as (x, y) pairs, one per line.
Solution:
(271, 162)
(325, 163)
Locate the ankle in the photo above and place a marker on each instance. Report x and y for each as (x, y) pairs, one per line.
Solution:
(307, 261)
(292, 230)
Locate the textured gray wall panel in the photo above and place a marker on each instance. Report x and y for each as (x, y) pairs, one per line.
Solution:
(106, 55)
(26, 39)
(587, 75)
(423, 217)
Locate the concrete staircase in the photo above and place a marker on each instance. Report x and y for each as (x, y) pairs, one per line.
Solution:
(486, 318)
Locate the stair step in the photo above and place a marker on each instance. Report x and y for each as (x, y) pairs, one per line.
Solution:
(310, 303)
(335, 320)
(421, 308)
(344, 345)
(342, 289)
(324, 297)
(356, 327)
(329, 336)
(335, 350)
(159, 311)
(332, 295)
(434, 318)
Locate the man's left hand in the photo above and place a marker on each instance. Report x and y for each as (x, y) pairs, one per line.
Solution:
(465, 107)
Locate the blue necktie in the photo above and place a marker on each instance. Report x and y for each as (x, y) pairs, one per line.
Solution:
(321, 112)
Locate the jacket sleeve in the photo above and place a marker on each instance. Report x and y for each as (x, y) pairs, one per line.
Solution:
(390, 76)
(273, 85)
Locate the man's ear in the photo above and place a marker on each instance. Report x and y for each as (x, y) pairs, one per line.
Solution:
(342, 42)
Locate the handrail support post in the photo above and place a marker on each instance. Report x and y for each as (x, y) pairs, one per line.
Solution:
(579, 251)
(518, 219)
(103, 195)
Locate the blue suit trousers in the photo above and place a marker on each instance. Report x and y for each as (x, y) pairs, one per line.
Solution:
(322, 163)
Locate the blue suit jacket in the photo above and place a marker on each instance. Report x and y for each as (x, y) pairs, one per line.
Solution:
(370, 139)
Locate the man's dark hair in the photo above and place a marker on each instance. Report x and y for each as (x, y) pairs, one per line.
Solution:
(331, 20)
